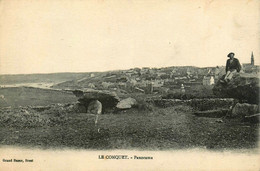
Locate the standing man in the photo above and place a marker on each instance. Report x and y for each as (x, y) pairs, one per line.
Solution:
(232, 66)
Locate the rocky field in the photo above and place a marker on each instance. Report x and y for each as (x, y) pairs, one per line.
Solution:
(50, 118)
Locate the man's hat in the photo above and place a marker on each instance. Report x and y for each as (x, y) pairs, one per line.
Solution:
(229, 55)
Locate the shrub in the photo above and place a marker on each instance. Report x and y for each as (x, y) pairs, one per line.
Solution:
(142, 105)
(178, 95)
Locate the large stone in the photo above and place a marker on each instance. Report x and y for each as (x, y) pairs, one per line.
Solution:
(244, 87)
(126, 103)
(108, 99)
(244, 109)
(95, 107)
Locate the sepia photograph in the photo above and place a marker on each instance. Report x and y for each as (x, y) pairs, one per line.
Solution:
(129, 84)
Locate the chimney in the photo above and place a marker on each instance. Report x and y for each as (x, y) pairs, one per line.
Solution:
(252, 59)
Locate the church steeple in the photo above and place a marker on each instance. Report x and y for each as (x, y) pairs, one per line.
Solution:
(252, 59)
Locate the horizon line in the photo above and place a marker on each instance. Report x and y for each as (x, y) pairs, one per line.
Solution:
(82, 72)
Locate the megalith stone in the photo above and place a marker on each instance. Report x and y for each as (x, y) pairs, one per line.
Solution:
(244, 87)
(108, 99)
(126, 103)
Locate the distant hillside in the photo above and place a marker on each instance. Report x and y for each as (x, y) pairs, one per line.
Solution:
(139, 77)
(75, 80)
(39, 78)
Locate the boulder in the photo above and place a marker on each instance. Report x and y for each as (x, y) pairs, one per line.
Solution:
(108, 99)
(126, 103)
(95, 107)
(244, 109)
(243, 86)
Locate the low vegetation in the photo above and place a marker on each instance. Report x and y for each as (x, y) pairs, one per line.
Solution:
(141, 127)
(49, 119)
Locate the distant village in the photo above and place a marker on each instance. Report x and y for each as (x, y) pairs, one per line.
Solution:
(160, 80)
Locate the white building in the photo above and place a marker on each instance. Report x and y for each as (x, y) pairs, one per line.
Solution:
(208, 80)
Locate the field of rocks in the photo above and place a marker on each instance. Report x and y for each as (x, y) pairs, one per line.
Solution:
(149, 128)
(46, 118)
(166, 108)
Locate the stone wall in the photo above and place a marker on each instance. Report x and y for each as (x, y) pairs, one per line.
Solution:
(197, 104)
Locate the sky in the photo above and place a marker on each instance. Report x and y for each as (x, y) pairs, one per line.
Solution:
(47, 36)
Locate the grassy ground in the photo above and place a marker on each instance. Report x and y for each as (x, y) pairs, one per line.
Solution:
(169, 128)
(145, 127)
(24, 96)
